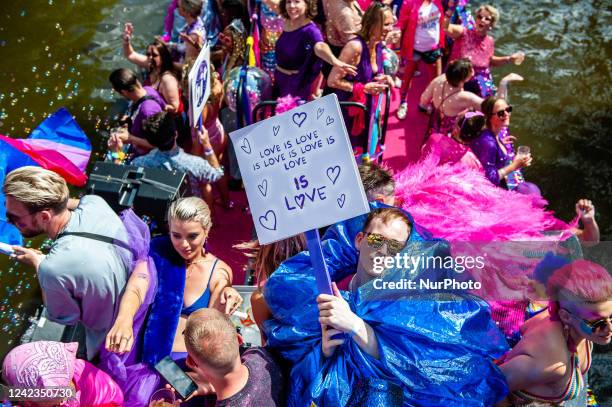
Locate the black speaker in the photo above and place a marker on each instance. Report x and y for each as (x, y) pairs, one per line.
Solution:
(149, 191)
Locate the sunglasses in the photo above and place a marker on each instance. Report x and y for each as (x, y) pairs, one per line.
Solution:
(151, 55)
(503, 112)
(376, 241)
(592, 326)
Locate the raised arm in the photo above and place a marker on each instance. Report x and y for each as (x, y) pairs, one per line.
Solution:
(589, 236)
(453, 30)
(504, 84)
(128, 51)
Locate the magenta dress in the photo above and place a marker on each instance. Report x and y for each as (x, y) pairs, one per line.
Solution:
(478, 50)
(449, 151)
(295, 52)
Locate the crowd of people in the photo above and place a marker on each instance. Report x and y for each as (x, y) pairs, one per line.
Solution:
(144, 299)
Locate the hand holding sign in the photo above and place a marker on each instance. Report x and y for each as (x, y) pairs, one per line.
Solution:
(199, 85)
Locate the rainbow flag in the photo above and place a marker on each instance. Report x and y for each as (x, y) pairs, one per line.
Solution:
(57, 144)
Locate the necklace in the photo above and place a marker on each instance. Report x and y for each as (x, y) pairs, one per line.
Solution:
(193, 263)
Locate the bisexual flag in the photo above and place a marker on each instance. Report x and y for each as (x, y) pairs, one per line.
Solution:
(57, 144)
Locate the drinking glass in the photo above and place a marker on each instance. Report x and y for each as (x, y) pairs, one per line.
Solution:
(166, 396)
(523, 150)
(520, 59)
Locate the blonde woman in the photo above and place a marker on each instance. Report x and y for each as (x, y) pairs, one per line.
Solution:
(189, 278)
(478, 46)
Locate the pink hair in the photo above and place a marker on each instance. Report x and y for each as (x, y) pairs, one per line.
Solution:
(583, 280)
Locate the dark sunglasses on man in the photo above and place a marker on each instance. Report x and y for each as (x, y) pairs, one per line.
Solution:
(502, 113)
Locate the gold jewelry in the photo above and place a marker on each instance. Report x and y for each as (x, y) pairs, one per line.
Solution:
(194, 262)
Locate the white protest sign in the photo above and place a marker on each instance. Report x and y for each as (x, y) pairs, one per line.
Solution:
(299, 171)
(199, 85)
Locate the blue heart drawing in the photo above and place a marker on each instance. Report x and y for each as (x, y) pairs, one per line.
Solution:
(333, 173)
(299, 118)
(329, 120)
(341, 200)
(270, 223)
(299, 200)
(320, 112)
(263, 187)
(275, 129)
(246, 146)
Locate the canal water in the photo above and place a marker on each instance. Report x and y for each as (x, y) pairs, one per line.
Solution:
(59, 53)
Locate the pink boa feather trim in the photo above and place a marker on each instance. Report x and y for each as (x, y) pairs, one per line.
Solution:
(286, 103)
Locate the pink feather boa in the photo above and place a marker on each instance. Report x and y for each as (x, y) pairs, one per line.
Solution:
(457, 203)
(286, 103)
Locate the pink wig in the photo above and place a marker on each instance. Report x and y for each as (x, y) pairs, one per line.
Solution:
(582, 280)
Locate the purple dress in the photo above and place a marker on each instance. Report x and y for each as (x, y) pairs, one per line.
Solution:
(365, 74)
(295, 52)
(493, 159)
(141, 110)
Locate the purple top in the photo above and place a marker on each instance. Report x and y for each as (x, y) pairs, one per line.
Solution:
(264, 386)
(146, 109)
(295, 52)
(490, 155)
(365, 73)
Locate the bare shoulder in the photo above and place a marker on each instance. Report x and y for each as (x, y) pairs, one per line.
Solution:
(544, 341)
(222, 271)
(168, 78)
(353, 47)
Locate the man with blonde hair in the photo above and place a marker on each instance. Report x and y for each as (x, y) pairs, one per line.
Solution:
(86, 269)
(253, 379)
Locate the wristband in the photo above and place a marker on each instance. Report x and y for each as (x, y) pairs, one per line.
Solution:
(208, 152)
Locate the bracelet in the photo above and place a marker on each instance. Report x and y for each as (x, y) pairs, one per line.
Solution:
(208, 152)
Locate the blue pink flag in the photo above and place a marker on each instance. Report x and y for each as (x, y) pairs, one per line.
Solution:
(57, 144)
